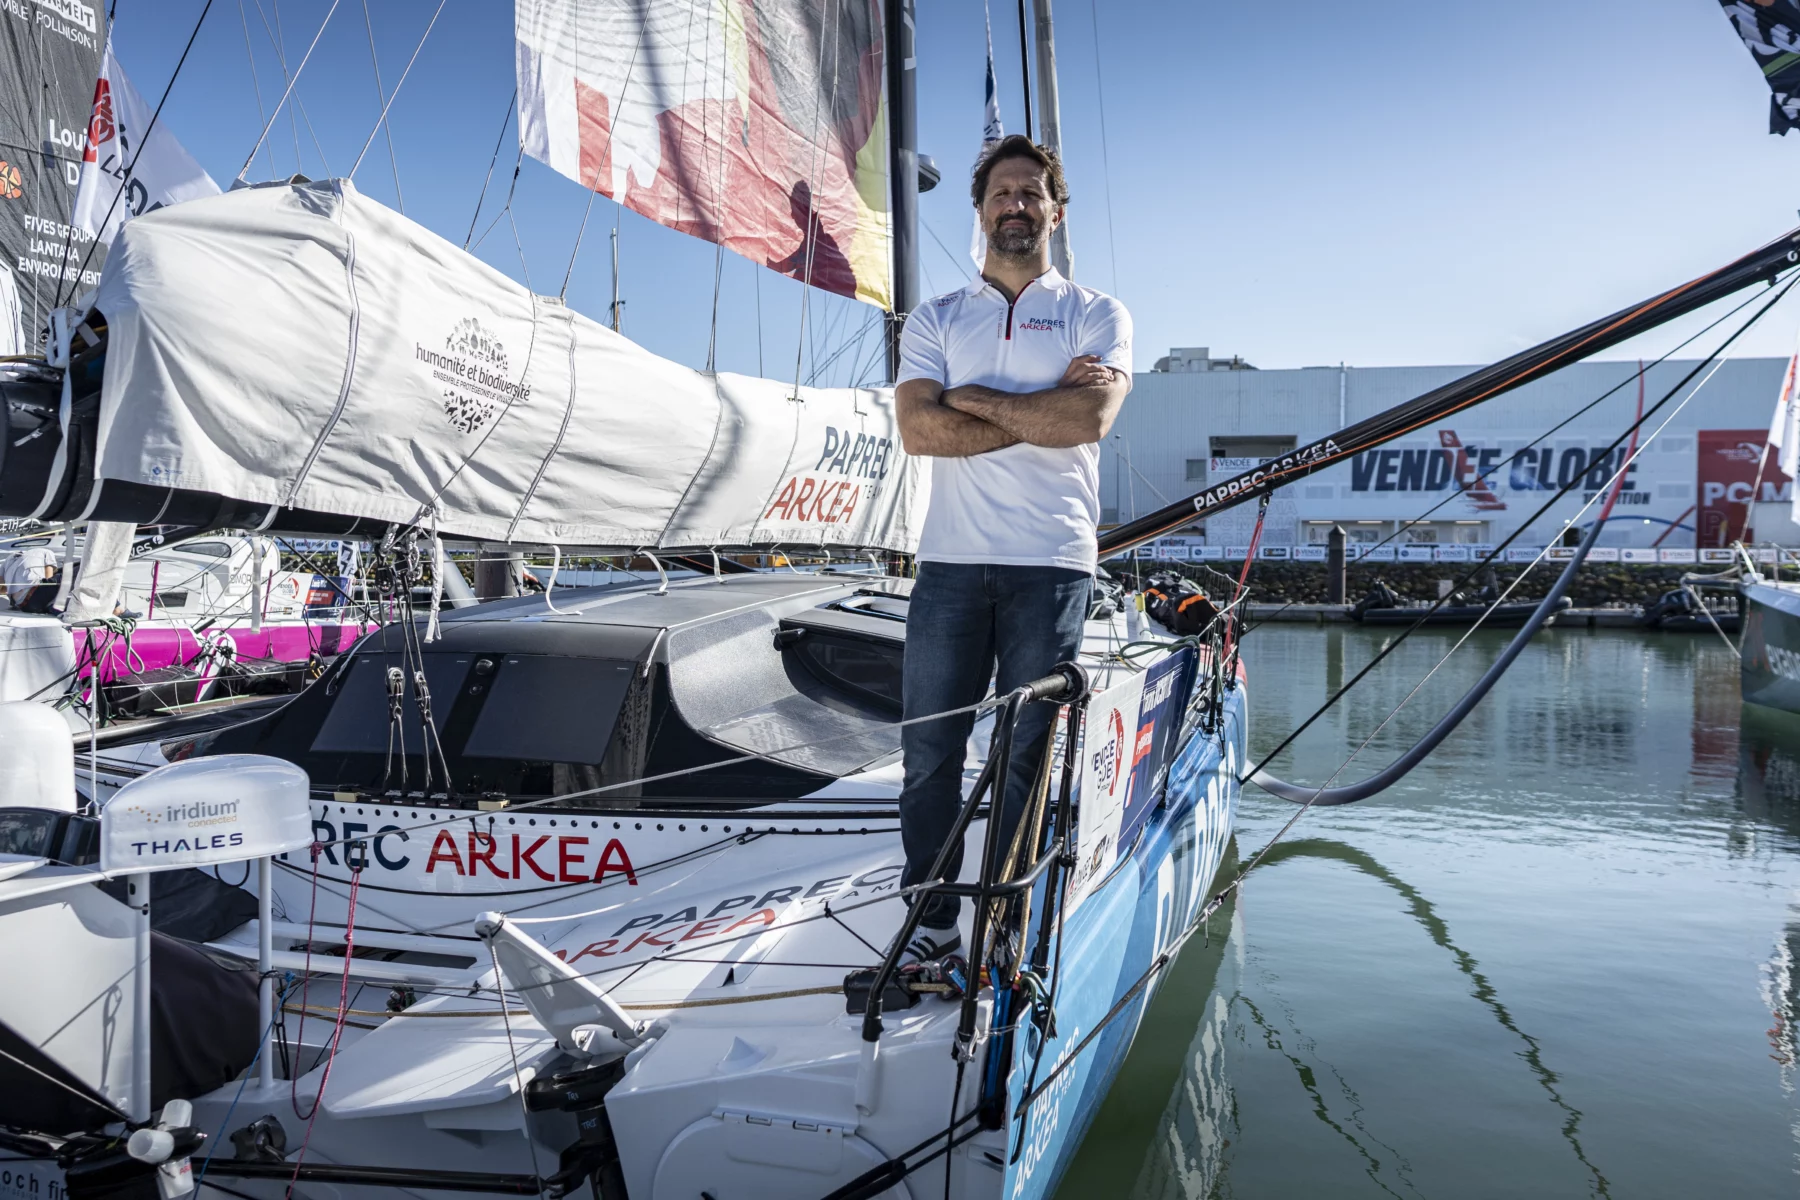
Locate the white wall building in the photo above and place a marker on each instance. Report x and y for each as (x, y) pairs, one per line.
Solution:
(1197, 419)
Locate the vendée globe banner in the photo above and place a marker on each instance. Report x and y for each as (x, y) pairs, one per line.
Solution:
(756, 124)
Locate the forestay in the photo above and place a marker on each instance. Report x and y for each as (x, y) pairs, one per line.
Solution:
(306, 346)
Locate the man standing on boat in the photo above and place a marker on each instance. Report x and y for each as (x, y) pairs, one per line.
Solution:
(1010, 384)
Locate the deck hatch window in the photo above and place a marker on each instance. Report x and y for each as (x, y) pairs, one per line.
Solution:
(546, 709)
(358, 722)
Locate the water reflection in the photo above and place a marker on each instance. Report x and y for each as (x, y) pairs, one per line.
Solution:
(1608, 854)
(1480, 986)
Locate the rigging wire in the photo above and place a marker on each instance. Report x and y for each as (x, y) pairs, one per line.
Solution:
(288, 91)
(505, 120)
(1540, 513)
(278, 39)
(255, 82)
(382, 120)
(956, 262)
(381, 95)
(594, 189)
(1483, 476)
(511, 189)
(130, 166)
(1112, 253)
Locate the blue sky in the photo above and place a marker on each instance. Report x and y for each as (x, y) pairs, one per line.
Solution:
(1376, 182)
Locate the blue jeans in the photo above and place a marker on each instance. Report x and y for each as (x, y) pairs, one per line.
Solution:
(966, 620)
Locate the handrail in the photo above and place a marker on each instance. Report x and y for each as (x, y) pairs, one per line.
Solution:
(1067, 683)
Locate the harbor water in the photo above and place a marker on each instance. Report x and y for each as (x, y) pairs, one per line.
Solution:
(1559, 959)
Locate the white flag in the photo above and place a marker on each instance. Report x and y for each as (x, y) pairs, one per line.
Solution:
(125, 154)
(991, 132)
(1784, 431)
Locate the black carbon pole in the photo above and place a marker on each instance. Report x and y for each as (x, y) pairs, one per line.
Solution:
(1759, 266)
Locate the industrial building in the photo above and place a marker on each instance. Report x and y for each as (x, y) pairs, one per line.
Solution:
(1471, 481)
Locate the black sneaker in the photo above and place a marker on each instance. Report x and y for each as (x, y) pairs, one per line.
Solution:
(930, 945)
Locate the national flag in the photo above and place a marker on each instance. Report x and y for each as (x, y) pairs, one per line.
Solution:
(130, 167)
(1784, 431)
(991, 132)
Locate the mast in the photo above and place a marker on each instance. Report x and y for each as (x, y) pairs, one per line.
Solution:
(903, 171)
(1050, 124)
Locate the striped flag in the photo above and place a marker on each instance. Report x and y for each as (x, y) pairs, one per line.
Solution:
(991, 132)
(1784, 433)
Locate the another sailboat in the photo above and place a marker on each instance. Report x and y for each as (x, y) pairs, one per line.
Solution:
(590, 891)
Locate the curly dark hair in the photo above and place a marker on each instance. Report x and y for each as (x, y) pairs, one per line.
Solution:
(1019, 146)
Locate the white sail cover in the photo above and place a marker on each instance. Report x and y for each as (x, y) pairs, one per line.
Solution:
(306, 346)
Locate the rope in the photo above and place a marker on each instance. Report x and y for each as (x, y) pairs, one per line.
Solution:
(513, 1052)
(979, 706)
(1544, 508)
(1712, 620)
(1236, 884)
(337, 1032)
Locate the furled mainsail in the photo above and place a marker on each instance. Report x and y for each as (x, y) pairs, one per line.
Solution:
(304, 346)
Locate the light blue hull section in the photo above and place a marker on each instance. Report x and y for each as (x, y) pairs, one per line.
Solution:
(1151, 898)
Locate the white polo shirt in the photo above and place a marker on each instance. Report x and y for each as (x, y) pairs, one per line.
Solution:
(1022, 505)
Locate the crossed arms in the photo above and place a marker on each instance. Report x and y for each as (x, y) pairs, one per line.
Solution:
(968, 420)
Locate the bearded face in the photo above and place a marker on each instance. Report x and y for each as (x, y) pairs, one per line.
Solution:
(1018, 214)
(1017, 235)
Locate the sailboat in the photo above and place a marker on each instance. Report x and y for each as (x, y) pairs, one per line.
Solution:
(1769, 656)
(593, 891)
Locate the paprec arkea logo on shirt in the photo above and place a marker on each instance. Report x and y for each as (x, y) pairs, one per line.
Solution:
(1043, 324)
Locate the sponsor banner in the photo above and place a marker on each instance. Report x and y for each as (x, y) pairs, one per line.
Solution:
(1237, 553)
(1175, 551)
(1452, 554)
(1379, 554)
(132, 164)
(1732, 470)
(758, 127)
(1637, 555)
(1144, 552)
(205, 811)
(1560, 553)
(50, 53)
(1523, 553)
(1416, 553)
(1716, 554)
(1675, 556)
(1311, 553)
(1275, 552)
(1209, 553)
(1603, 554)
(1160, 709)
(1487, 474)
(1763, 554)
(1108, 743)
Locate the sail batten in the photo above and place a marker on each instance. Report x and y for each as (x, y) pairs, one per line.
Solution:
(304, 346)
(756, 124)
